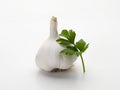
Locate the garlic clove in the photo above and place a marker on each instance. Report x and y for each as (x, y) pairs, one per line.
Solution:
(68, 61)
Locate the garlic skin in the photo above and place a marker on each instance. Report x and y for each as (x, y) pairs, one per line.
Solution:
(48, 56)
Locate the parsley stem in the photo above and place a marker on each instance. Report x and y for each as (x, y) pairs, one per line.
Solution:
(83, 65)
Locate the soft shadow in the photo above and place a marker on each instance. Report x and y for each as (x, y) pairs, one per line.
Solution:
(69, 74)
(59, 80)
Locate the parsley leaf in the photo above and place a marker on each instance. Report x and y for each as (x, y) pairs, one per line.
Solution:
(72, 35)
(81, 45)
(69, 51)
(67, 40)
(64, 34)
(69, 35)
(63, 41)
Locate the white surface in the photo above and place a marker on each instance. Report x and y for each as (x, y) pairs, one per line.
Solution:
(24, 25)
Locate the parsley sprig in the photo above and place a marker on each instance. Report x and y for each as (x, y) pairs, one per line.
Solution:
(67, 40)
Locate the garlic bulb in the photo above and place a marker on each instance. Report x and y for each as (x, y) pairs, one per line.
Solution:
(48, 57)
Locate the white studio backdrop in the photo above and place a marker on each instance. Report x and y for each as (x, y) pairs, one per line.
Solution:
(24, 25)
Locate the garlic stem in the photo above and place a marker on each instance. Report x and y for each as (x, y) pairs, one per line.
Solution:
(53, 28)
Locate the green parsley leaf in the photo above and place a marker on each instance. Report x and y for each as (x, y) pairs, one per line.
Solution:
(69, 35)
(67, 40)
(81, 45)
(69, 51)
(72, 35)
(63, 42)
(64, 34)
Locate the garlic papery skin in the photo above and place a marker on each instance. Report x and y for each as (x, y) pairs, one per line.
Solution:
(48, 56)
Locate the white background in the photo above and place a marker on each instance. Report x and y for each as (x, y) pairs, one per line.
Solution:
(24, 25)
